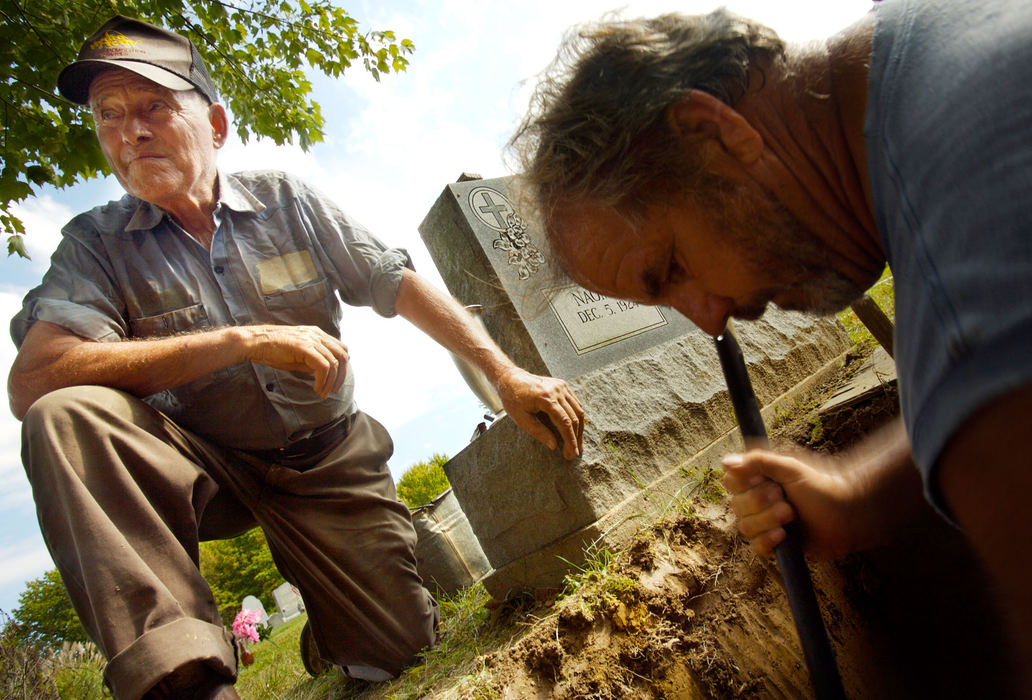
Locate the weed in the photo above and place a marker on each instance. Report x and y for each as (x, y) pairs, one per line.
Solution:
(701, 483)
(705, 483)
(816, 431)
(78, 671)
(25, 670)
(597, 582)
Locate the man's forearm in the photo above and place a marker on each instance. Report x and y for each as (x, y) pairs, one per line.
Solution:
(524, 395)
(440, 317)
(142, 367)
(888, 485)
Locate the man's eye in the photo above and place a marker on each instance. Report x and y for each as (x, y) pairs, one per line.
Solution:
(679, 270)
(156, 106)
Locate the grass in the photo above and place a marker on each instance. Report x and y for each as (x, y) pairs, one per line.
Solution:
(470, 629)
(30, 670)
(883, 294)
(277, 666)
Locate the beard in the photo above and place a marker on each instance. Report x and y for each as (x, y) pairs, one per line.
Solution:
(775, 245)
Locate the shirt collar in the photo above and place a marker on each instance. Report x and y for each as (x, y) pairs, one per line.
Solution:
(232, 194)
(146, 216)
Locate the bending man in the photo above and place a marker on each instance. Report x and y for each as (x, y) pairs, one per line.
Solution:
(700, 162)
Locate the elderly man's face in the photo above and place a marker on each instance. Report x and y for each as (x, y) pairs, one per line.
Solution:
(160, 143)
(712, 256)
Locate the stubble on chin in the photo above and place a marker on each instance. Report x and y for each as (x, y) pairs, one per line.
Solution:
(776, 246)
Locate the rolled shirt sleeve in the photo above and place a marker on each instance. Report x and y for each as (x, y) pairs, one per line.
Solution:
(77, 292)
(366, 272)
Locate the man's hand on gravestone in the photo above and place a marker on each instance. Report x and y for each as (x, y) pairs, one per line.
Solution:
(531, 400)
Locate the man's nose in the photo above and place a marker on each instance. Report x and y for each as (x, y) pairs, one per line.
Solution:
(135, 129)
(707, 311)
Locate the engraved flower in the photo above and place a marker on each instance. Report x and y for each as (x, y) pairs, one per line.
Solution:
(523, 255)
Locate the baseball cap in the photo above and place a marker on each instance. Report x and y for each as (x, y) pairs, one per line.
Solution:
(157, 54)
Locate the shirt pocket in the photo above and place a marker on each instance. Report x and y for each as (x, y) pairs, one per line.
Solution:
(188, 318)
(308, 305)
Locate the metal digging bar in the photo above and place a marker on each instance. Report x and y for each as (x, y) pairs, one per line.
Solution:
(820, 660)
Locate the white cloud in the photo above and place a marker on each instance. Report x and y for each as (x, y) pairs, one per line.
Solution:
(263, 154)
(23, 562)
(43, 218)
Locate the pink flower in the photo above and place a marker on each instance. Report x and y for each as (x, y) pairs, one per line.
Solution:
(245, 625)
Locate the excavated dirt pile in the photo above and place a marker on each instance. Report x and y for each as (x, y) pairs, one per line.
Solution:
(686, 612)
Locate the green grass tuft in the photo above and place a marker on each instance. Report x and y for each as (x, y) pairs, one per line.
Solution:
(883, 294)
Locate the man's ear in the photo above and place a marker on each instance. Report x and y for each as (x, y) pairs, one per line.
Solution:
(219, 124)
(700, 114)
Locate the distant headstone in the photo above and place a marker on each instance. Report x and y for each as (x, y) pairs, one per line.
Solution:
(252, 603)
(288, 601)
(649, 380)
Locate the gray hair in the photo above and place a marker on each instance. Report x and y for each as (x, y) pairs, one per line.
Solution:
(596, 128)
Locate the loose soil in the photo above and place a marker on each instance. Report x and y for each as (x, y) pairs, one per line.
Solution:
(687, 611)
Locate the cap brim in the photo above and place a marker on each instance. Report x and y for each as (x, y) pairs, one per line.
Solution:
(74, 81)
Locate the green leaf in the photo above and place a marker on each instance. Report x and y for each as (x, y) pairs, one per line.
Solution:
(12, 190)
(16, 244)
(315, 58)
(39, 174)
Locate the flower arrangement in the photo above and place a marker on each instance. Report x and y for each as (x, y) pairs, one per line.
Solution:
(245, 629)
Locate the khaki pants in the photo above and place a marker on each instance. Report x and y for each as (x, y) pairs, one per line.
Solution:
(124, 496)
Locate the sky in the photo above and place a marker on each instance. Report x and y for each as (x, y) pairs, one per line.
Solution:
(390, 148)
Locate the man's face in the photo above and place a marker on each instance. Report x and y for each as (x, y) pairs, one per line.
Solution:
(727, 251)
(160, 143)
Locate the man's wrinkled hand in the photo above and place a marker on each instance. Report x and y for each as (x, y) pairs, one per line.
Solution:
(300, 349)
(525, 396)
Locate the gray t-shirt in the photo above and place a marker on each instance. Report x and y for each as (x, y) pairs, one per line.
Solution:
(280, 251)
(949, 148)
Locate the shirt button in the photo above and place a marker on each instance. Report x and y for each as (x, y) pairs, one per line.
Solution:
(219, 269)
(270, 386)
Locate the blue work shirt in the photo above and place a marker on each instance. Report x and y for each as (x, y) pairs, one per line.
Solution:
(949, 158)
(280, 251)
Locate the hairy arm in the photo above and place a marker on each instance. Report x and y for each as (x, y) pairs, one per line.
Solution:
(844, 504)
(52, 357)
(523, 394)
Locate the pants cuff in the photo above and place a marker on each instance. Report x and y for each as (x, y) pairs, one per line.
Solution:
(139, 667)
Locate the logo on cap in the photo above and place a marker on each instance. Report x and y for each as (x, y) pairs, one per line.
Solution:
(112, 40)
